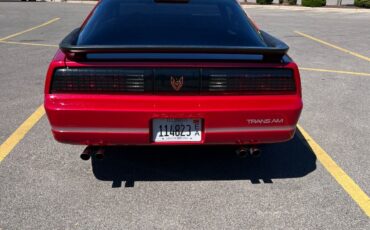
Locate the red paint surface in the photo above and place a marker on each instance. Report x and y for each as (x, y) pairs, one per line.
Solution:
(74, 117)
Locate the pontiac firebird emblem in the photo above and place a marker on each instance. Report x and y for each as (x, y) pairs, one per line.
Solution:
(177, 82)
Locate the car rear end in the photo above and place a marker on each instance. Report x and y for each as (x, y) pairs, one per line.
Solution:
(100, 92)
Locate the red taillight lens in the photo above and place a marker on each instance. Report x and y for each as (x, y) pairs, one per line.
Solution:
(249, 81)
(99, 80)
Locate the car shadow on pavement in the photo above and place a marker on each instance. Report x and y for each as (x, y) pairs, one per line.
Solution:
(196, 163)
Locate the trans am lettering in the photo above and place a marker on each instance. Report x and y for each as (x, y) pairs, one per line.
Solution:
(267, 121)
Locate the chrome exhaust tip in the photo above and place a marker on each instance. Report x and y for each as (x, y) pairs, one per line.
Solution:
(100, 154)
(254, 152)
(241, 152)
(86, 154)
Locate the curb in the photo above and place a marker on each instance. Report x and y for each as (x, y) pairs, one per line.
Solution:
(256, 6)
(304, 8)
(73, 1)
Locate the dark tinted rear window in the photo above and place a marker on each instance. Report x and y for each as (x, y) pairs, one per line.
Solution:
(146, 22)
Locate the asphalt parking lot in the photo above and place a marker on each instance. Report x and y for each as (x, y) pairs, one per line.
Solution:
(319, 180)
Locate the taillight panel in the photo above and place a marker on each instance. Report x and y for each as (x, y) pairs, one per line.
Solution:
(249, 81)
(180, 80)
(101, 80)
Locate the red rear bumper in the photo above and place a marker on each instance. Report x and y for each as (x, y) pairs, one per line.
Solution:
(126, 120)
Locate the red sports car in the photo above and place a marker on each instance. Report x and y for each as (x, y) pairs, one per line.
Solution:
(171, 72)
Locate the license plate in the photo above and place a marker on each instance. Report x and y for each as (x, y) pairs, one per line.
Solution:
(177, 130)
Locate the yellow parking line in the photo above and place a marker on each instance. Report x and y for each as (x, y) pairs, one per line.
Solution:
(30, 29)
(17, 136)
(335, 71)
(354, 190)
(357, 194)
(28, 43)
(333, 46)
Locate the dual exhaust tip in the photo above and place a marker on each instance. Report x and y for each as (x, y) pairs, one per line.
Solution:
(89, 151)
(243, 152)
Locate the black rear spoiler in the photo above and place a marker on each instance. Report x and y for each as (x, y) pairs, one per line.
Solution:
(274, 51)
